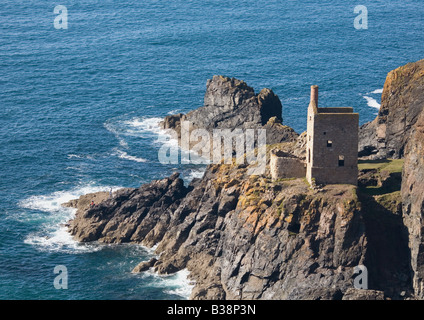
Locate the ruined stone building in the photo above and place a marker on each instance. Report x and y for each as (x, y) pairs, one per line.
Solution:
(332, 144)
(331, 148)
(284, 165)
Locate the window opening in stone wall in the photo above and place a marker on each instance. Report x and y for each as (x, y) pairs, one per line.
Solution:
(341, 161)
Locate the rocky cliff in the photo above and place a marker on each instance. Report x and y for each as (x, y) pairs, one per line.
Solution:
(240, 237)
(248, 237)
(413, 201)
(401, 103)
(398, 132)
(139, 215)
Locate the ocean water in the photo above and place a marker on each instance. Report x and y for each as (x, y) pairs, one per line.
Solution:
(79, 108)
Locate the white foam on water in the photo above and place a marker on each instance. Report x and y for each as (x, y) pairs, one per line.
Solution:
(135, 127)
(183, 284)
(377, 91)
(78, 156)
(52, 216)
(140, 125)
(176, 111)
(371, 102)
(70, 156)
(125, 155)
(114, 128)
(59, 241)
(123, 143)
(151, 251)
(177, 284)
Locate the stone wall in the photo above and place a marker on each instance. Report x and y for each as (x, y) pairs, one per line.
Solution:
(335, 135)
(332, 144)
(335, 175)
(284, 166)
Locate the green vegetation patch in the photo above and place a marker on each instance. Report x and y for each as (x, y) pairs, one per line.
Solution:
(391, 201)
(390, 165)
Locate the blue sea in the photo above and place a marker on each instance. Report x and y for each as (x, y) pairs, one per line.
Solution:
(79, 109)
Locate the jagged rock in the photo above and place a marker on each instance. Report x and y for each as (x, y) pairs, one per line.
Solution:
(359, 294)
(144, 266)
(300, 146)
(137, 215)
(401, 103)
(276, 132)
(230, 103)
(173, 122)
(84, 202)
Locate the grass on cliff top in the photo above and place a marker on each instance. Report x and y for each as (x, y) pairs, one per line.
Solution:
(390, 165)
(391, 201)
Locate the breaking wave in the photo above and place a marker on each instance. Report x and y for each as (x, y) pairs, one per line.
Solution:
(47, 210)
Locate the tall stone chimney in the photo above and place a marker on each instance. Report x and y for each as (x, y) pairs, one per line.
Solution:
(314, 94)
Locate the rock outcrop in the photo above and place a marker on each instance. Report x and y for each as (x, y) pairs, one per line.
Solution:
(401, 103)
(398, 132)
(356, 294)
(230, 103)
(250, 238)
(139, 215)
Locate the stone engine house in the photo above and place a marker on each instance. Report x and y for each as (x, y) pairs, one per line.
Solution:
(332, 144)
(331, 147)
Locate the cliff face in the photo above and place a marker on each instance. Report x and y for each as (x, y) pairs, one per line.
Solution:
(248, 237)
(413, 201)
(401, 103)
(398, 132)
(240, 237)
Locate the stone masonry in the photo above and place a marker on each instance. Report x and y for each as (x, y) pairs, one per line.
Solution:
(332, 144)
(331, 148)
(283, 165)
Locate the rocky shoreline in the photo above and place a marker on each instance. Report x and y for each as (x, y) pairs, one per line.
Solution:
(248, 237)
